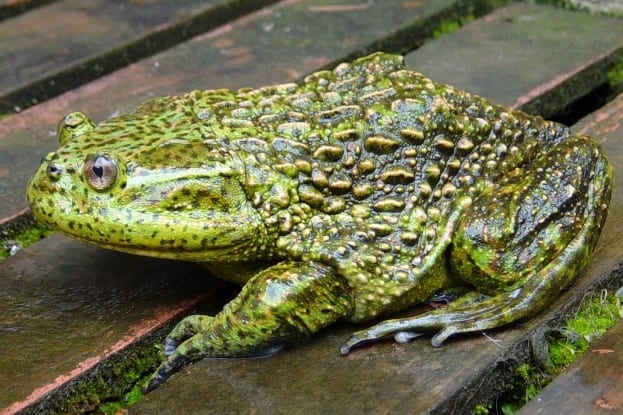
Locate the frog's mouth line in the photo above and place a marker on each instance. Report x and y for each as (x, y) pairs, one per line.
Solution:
(205, 255)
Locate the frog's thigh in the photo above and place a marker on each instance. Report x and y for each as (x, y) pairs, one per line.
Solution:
(520, 242)
(539, 225)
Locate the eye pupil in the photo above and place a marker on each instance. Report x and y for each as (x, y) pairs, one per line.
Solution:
(98, 170)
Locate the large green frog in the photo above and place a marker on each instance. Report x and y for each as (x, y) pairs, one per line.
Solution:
(362, 191)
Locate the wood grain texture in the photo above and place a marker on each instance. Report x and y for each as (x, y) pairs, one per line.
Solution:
(56, 48)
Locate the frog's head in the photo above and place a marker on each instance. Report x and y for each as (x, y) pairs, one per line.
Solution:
(146, 183)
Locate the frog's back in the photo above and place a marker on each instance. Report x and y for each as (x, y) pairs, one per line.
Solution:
(380, 156)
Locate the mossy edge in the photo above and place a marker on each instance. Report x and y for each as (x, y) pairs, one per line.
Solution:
(596, 313)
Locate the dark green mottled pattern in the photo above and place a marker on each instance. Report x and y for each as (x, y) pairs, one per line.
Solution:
(368, 188)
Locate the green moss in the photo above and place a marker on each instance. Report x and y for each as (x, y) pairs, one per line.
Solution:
(128, 377)
(113, 385)
(528, 383)
(596, 314)
(482, 409)
(615, 76)
(24, 237)
(448, 26)
(130, 398)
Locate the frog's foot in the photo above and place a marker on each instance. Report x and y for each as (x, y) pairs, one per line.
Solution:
(282, 304)
(458, 317)
(184, 330)
(520, 242)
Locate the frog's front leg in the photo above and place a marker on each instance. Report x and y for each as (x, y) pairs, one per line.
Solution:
(283, 304)
(519, 243)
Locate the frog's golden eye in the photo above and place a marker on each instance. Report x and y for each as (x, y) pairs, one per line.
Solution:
(100, 172)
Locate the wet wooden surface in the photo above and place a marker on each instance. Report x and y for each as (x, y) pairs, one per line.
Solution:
(538, 59)
(62, 317)
(11, 8)
(70, 42)
(275, 44)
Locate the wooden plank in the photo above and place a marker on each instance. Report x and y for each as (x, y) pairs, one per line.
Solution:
(426, 372)
(70, 42)
(223, 57)
(10, 8)
(274, 45)
(63, 318)
(384, 378)
(539, 62)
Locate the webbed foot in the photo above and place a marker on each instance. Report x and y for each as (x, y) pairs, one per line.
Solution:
(457, 317)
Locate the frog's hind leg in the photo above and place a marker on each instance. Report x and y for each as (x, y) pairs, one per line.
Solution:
(519, 244)
(282, 304)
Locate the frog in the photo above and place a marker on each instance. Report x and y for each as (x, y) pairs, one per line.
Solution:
(351, 195)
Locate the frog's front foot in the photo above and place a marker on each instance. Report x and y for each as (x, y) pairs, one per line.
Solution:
(164, 372)
(285, 303)
(179, 347)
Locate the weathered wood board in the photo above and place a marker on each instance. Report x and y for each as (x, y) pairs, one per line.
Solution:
(62, 318)
(538, 59)
(10, 8)
(69, 42)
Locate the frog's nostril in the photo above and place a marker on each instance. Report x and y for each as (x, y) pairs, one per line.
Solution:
(54, 171)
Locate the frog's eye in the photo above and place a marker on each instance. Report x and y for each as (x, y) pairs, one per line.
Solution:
(73, 125)
(100, 172)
